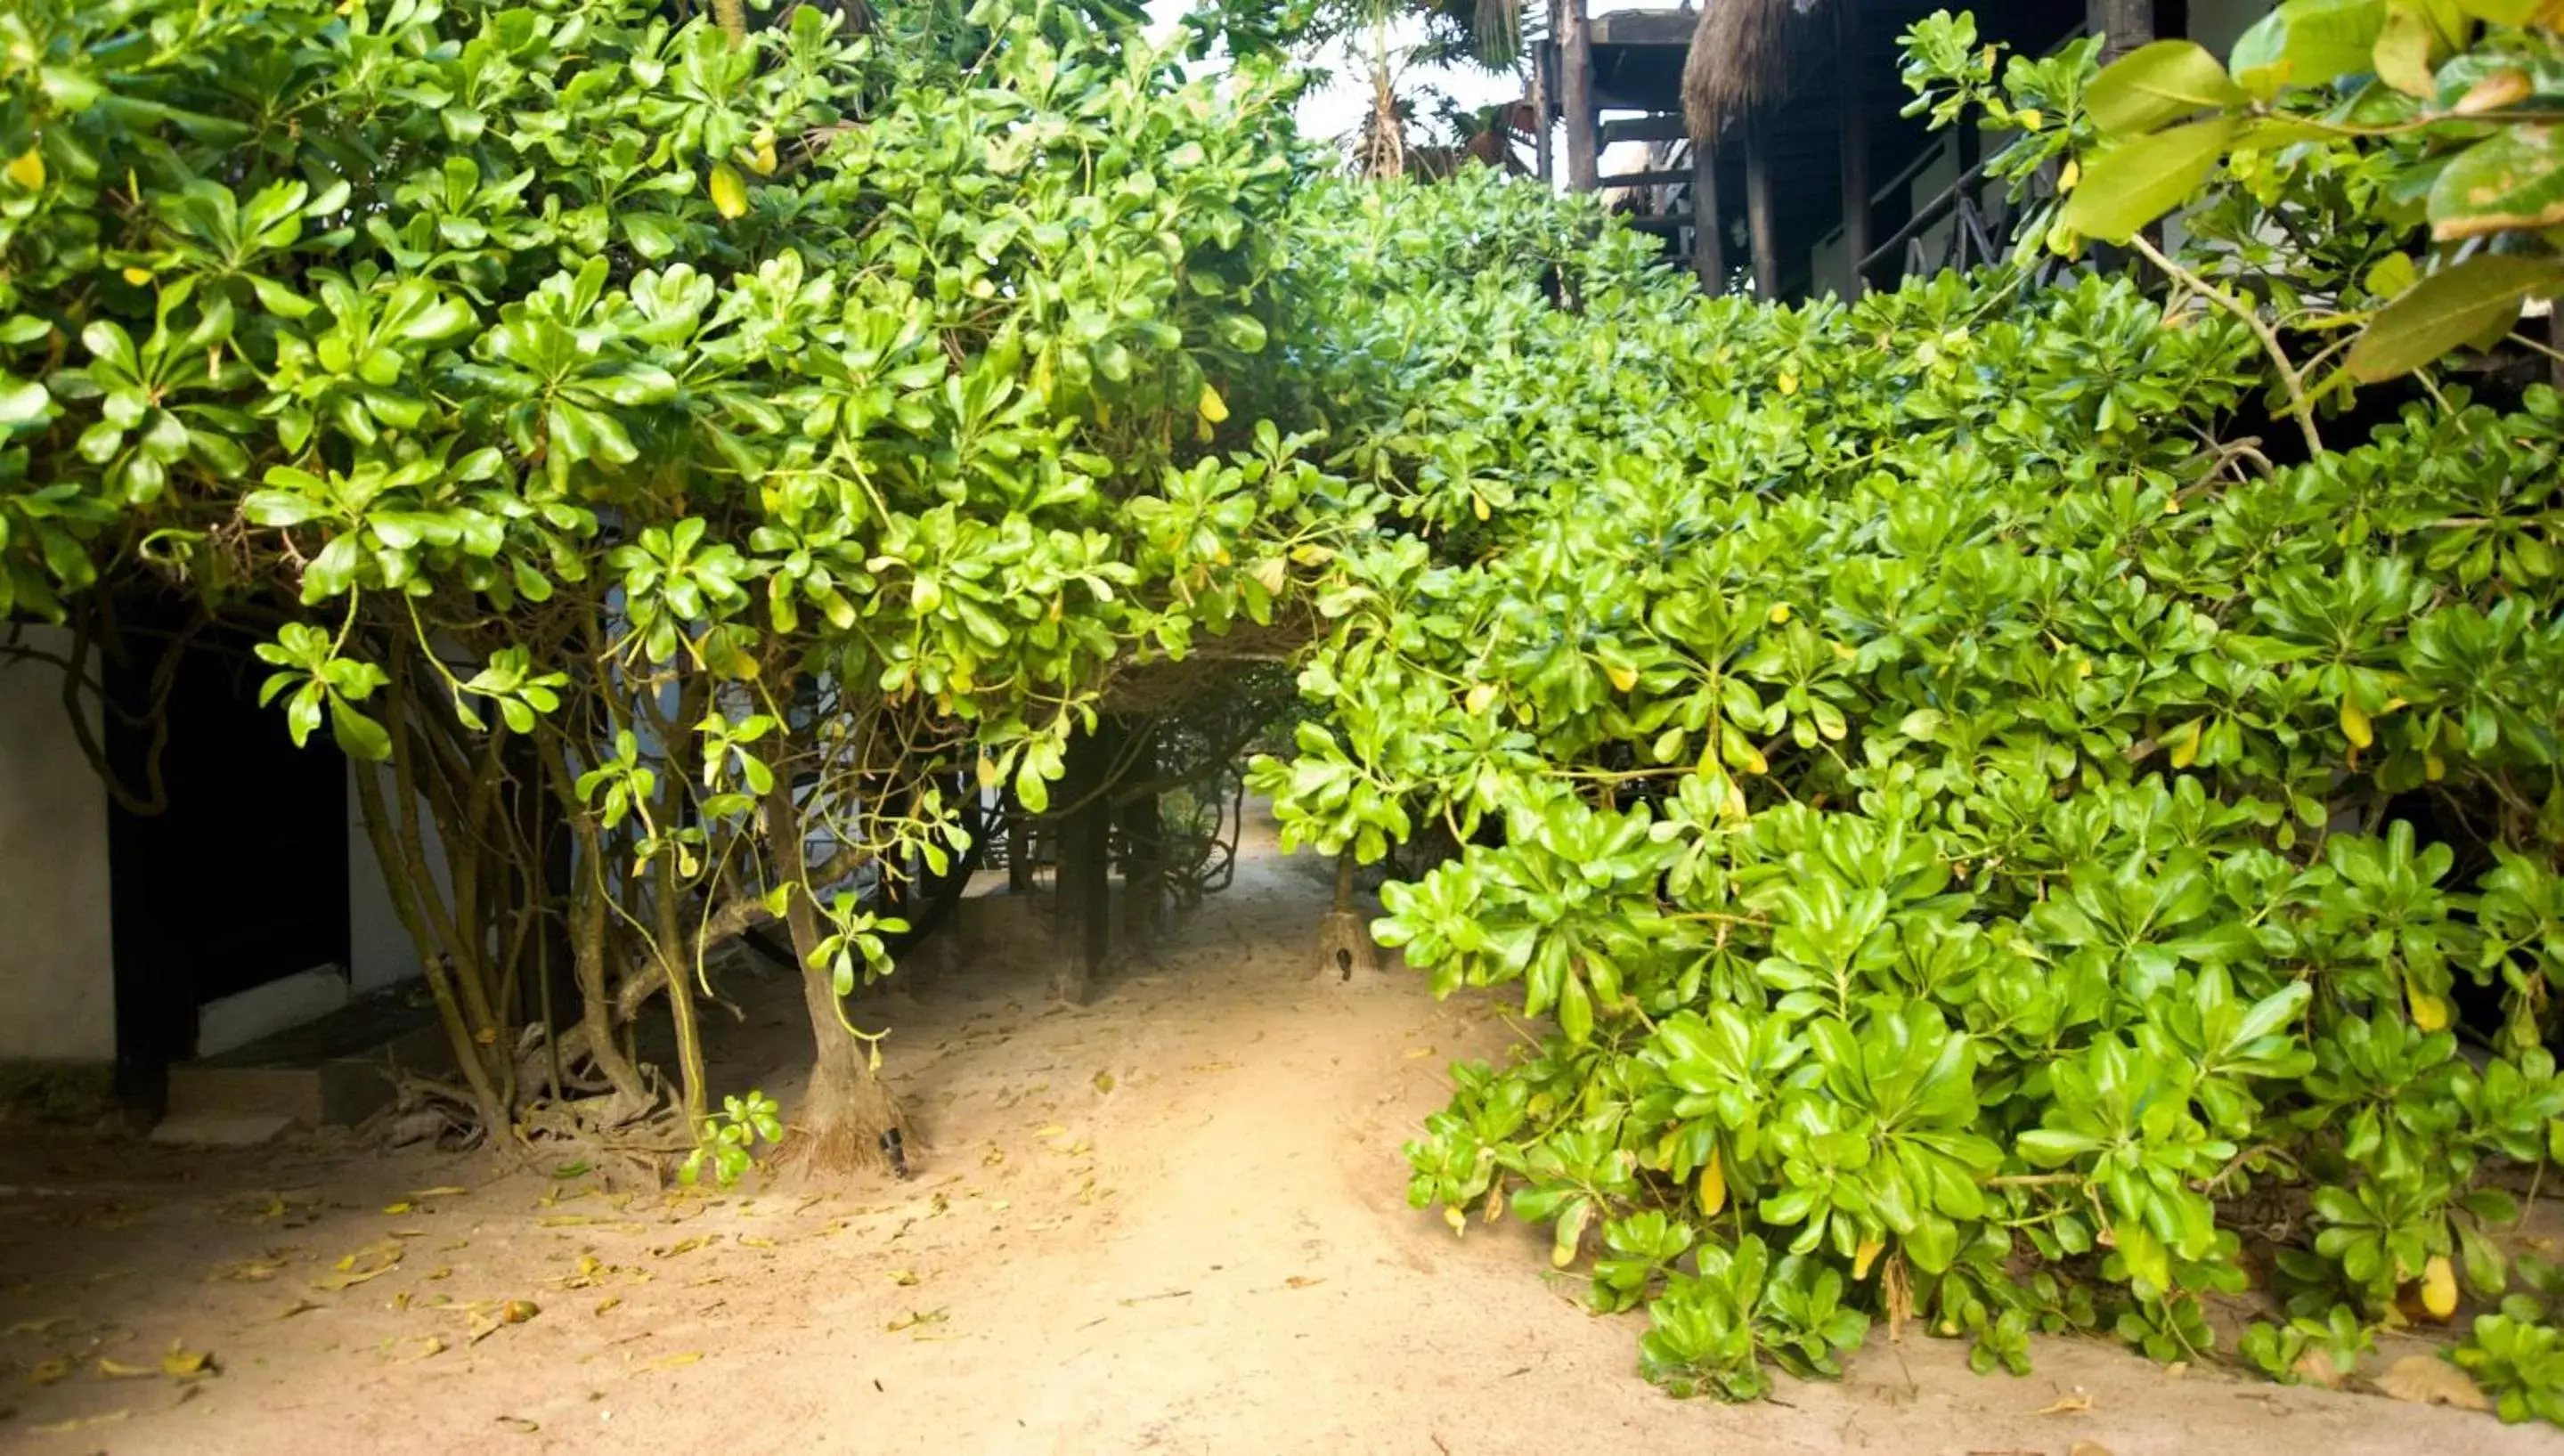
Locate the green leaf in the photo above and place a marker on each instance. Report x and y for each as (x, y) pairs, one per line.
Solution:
(2512, 181)
(2446, 310)
(2308, 43)
(358, 737)
(2160, 83)
(2141, 179)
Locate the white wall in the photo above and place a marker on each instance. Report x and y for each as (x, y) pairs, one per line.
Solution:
(380, 948)
(57, 971)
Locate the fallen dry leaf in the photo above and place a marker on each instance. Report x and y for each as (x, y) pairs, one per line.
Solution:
(520, 1424)
(248, 1271)
(902, 1277)
(299, 1306)
(83, 1422)
(1302, 1281)
(186, 1364)
(670, 1363)
(2087, 1448)
(681, 1246)
(2077, 1404)
(429, 1346)
(398, 1208)
(607, 1303)
(40, 1327)
(353, 1269)
(443, 1190)
(2317, 1366)
(2426, 1379)
(52, 1370)
(116, 1369)
(913, 1319)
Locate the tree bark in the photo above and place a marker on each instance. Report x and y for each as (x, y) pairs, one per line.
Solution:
(843, 1115)
(2124, 25)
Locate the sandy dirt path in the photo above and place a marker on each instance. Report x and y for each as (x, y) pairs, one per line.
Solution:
(1172, 1222)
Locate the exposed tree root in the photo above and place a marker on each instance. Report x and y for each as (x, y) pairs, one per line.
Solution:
(838, 1128)
(1345, 950)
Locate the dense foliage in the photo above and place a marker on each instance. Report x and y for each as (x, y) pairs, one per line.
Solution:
(1986, 844)
(708, 447)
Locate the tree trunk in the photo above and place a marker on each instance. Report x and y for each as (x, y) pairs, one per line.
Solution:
(1143, 870)
(843, 1117)
(1081, 901)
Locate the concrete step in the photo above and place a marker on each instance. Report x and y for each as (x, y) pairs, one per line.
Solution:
(327, 1072)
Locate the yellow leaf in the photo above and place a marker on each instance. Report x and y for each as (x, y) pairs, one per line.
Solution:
(762, 158)
(607, 1303)
(116, 1369)
(1622, 678)
(137, 275)
(2354, 725)
(2433, 768)
(397, 1208)
(53, 1371)
(2071, 174)
(1864, 1255)
(1778, 615)
(2430, 1013)
(1479, 697)
(1788, 383)
(27, 169)
(2439, 1287)
(446, 1190)
(1713, 1186)
(184, 1364)
(1210, 406)
(1477, 506)
(2185, 748)
(54, 1428)
(671, 1363)
(728, 190)
(1458, 1220)
(2030, 119)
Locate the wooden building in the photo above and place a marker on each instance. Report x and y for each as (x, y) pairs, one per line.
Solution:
(1788, 168)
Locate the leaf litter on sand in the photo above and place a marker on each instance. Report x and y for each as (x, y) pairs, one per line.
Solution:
(2426, 1379)
(370, 1262)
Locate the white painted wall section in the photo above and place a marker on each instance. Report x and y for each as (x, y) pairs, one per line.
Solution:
(57, 965)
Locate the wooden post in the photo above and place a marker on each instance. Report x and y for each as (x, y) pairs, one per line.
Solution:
(1081, 904)
(2126, 24)
(1584, 158)
(1708, 230)
(1544, 107)
(1850, 101)
(1758, 212)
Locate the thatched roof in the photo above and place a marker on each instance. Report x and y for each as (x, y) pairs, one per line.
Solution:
(1740, 57)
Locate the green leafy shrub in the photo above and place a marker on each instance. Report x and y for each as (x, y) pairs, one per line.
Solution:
(716, 447)
(1981, 831)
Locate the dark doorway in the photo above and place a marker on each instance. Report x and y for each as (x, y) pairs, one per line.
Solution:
(242, 876)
